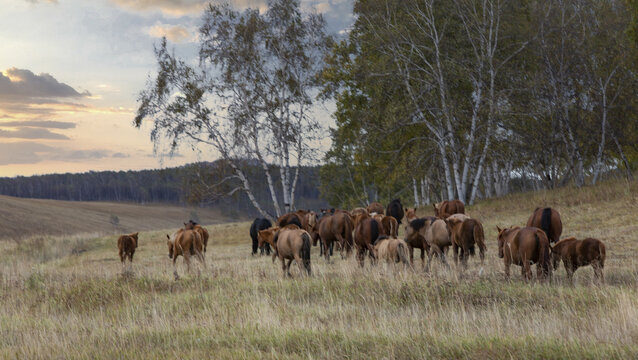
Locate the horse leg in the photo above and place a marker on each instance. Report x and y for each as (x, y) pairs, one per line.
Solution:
(526, 270)
(360, 255)
(598, 272)
(299, 263)
(373, 260)
(455, 251)
(465, 254)
(326, 250)
(423, 252)
(507, 267)
(430, 255)
(288, 267)
(283, 265)
(569, 269)
(175, 267)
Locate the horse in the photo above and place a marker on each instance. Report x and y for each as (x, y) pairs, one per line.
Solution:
(290, 243)
(395, 209)
(185, 243)
(366, 233)
(127, 245)
(191, 225)
(415, 236)
(523, 247)
(290, 218)
(548, 220)
(375, 207)
(392, 250)
(259, 224)
(576, 253)
(334, 228)
(438, 237)
(446, 208)
(410, 214)
(465, 233)
(357, 211)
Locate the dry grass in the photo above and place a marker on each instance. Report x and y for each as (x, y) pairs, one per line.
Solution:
(66, 297)
(24, 218)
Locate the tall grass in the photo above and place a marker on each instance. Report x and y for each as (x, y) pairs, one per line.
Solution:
(67, 298)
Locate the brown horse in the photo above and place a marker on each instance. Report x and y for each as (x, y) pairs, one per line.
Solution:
(576, 253)
(127, 245)
(415, 236)
(191, 225)
(392, 250)
(523, 247)
(389, 225)
(410, 214)
(290, 243)
(334, 228)
(375, 207)
(357, 211)
(548, 220)
(185, 243)
(444, 209)
(438, 237)
(465, 233)
(366, 233)
(290, 218)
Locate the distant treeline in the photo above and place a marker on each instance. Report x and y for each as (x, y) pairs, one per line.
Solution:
(203, 184)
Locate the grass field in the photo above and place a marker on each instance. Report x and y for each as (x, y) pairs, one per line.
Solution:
(66, 297)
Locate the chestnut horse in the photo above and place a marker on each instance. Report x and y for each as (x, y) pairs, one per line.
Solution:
(576, 253)
(290, 243)
(523, 247)
(389, 225)
(410, 214)
(191, 225)
(334, 228)
(444, 209)
(415, 236)
(366, 233)
(548, 220)
(465, 233)
(185, 243)
(127, 245)
(392, 250)
(375, 207)
(395, 209)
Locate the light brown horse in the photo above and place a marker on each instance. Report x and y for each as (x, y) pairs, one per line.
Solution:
(366, 233)
(415, 236)
(127, 245)
(548, 220)
(576, 253)
(410, 214)
(185, 243)
(191, 225)
(438, 237)
(357, 211)
(466, 232)
(523, 247)
(392, 250)
(375, 207)
(444, 209)
(290, 244)
(334, 228)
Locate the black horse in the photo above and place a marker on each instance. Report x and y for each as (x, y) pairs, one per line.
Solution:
(395, 209)
(259, 224)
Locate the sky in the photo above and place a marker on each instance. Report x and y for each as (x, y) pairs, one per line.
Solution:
(71, 72)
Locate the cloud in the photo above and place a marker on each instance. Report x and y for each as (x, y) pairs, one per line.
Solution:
(169, 7)
(23, 85)
(43, 1)
(32, 133)
(40, 123)
(33, 153)
(120, 155)
(174, 33)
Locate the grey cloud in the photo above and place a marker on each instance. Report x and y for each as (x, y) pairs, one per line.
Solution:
(24, 84)
(43, 1)
(40, 124)
(82, 155)
(119, 155)
(22, 153)
(32, 133)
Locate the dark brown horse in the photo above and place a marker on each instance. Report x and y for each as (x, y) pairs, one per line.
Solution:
(290, 218)
(366, 234)
(334, 228)
(548, 220)
(415, 236)
(466, 232)
(576, 253)
(395, 209)
(523, 247)
(375, 207)
(127, 245)
(444, 209)
(191, 225)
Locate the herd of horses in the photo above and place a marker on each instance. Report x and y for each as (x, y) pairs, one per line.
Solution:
(373, 232)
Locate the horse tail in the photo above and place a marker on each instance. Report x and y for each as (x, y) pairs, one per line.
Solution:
(402, 252)
(479, 236)
(374, 231)
(305, 251)
(543, 255)
(546, 222)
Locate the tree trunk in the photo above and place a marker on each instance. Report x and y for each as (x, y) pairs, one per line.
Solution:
(416, 193)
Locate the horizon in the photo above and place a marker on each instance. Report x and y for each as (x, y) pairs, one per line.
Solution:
(71, 72)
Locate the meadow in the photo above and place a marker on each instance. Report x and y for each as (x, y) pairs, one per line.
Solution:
(66, 297)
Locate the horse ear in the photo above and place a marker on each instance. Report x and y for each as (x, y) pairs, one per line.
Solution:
(498, 229)
(168, 237)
